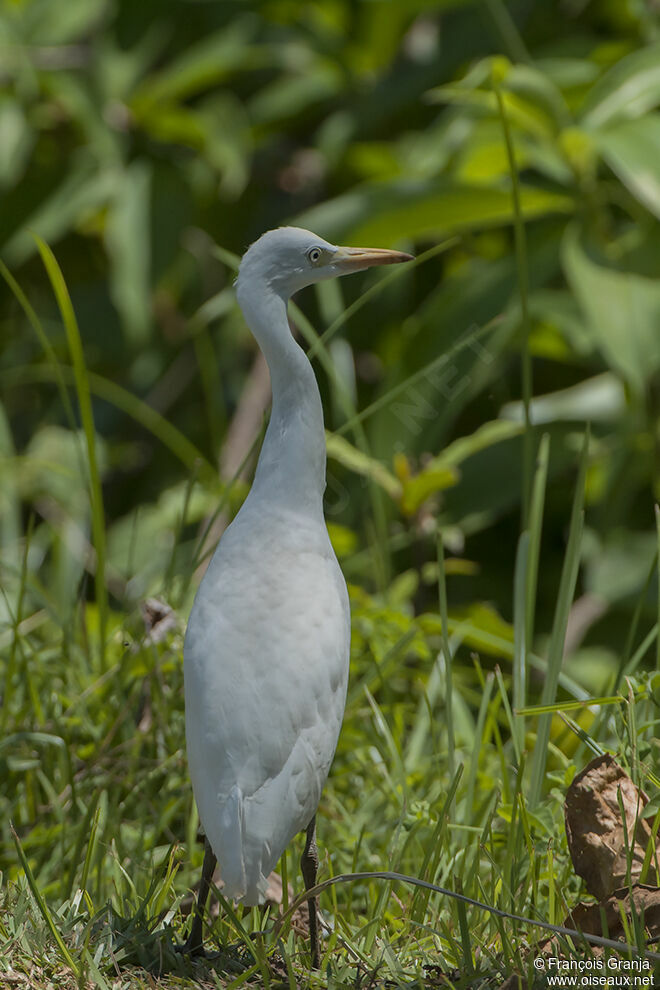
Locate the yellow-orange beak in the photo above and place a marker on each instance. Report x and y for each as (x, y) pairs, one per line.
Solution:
(354, 259)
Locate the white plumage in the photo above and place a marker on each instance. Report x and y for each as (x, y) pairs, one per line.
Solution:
(266, 674)
(267, 646)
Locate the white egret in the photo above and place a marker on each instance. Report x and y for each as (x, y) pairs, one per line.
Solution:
(267, 645)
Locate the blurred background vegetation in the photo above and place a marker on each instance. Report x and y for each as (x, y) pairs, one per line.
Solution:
(148, 144)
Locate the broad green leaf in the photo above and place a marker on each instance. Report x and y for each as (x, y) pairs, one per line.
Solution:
(421, 486)
(141, 547)
(598, 399)
(201, 66)
(629, 89)
(531, 99)
(566, 72)
(403, 589)
(62, 23)
(384, 212)
(17, 141)
(558, 325)
(289, 96)
(74, 97)
(537, 88)
(85, 189)
(228, 141)
(442, 471)
(485, 436)
(52, 467)
(521, 112)
(128, 240)
(622, 310)
(216, 128)
(340, 450)
(484, 159)
(617, 567)
(138, 410)
(632, 150)
(478, 626)
(373, 159)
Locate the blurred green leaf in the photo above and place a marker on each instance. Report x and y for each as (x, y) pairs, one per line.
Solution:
(50, 24)
(482, 438)
(84, 190)
(340, 450)
(538, 87)
(140, 547)
(616, 566)
(209, 61)
(598, 399)
(566, 72)
(216, 128)
(484, 160)
(478, 626)
(528, 116)
(390, 212)
(10, 507)
(420, 487)
(75, 100)
(629, 89)
(127, 237)
(632, 150)
(288, 97)
(228, 141)
(622, 310)
(17, 141)
(55, 465)
(441, 472)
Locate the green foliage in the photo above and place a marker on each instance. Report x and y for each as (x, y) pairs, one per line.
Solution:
(515, 148)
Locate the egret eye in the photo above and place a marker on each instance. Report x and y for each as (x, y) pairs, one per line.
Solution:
(314, 255)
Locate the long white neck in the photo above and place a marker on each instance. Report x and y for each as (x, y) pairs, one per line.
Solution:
(291, 467)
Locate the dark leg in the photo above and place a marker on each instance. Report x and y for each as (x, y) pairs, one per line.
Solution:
(309, 864)
(194, 943)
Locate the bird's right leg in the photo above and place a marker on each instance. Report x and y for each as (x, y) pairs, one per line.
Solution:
(309, 864)
(194, 943)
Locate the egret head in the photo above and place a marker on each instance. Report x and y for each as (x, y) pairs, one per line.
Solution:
(289, 258)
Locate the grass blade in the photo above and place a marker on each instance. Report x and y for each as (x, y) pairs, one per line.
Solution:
(35, 323)
(446, 652)
(523, 288)
(535, 527)
(556, 647)
(41, 904)
(520, 644)
(445, 359)
(142, 413)
(657, 529)
(86, 414)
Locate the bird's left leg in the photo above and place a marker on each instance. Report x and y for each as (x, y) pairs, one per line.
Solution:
(194, 943)
(309, 863)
